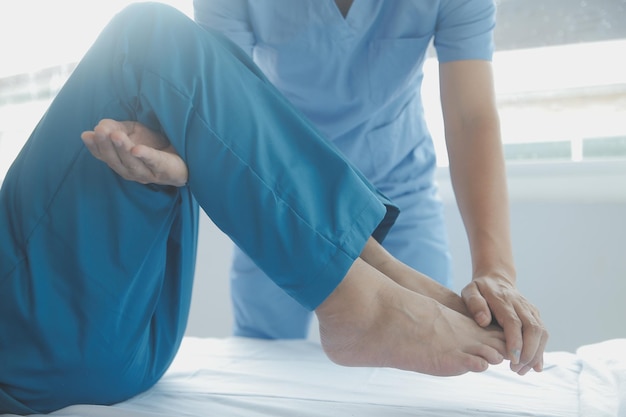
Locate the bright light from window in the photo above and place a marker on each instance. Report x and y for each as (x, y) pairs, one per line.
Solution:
(39, 34)
(562, 96)
(36, 34)
(555, 103)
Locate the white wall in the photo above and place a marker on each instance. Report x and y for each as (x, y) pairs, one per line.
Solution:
(210, 303)
(570, 262)
(569, 236)
(568, 225)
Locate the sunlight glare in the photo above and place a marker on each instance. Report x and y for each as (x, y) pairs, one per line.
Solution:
(36, 34)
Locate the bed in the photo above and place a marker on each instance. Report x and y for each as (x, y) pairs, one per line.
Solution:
(237, 377)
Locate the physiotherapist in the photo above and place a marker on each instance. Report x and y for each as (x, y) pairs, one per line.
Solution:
(355, 69)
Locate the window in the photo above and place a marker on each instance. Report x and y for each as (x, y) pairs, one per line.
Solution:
(41, 42)
(559, 66)
(560, 74)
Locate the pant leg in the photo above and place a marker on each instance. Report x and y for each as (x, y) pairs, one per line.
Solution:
(260, 308)
(262, 173)
(419, 239)
(95, 271)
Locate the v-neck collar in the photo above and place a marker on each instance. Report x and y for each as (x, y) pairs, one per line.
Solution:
(350, 22)
(345, 16)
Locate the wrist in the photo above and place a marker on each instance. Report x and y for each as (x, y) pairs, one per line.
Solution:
(505, 274)
(494, 265)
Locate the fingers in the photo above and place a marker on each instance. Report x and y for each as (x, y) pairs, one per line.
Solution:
(512, 326)
(100, 147)
(526, 338)
(535, 338)
(136, 153)
(476, 304)
(538, 359)
(101, 144)
(130, 167)
(166, 166)
(525, 334)
(115, 149)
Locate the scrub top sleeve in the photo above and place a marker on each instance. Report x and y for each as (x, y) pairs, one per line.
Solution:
(229, 17)
(464, 30)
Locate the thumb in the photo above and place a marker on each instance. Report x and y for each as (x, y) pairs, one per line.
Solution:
(150, 157)
(476, 304)
(169, 168)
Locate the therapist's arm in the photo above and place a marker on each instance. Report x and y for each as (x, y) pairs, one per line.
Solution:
(479, 180)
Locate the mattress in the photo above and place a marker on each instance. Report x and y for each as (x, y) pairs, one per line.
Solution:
(239, 377)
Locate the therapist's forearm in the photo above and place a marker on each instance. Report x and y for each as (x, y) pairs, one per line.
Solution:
(477, 169)
(479, 179)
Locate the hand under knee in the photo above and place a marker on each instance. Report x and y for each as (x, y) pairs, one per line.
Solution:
(136, 153)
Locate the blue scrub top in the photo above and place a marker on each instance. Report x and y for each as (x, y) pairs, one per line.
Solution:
(358, 78)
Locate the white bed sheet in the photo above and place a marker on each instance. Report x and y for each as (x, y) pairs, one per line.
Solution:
(237, 377)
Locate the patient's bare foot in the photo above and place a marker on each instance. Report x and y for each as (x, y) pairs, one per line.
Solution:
(369, 320)
(375, 255)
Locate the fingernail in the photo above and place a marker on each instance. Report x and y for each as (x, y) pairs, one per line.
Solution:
(515, 356)
(480, 317)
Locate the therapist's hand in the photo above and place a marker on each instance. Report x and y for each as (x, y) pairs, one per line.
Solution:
(488, 298)
(136, 153)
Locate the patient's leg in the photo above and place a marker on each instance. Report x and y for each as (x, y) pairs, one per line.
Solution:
(383, 324)
(428, 337)
(94, 260)
(261, 182)
(96, 271)
(370, 320)
(262, 173)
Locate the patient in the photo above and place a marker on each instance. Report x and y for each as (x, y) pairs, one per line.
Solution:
(139, 154)
(96, 272)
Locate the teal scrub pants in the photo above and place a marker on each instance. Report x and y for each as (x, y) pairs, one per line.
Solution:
(418, 238)
(96, 271)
